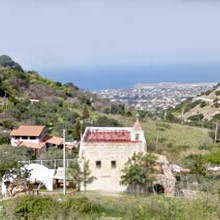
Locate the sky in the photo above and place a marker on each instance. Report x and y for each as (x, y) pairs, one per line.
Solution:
(81, 34)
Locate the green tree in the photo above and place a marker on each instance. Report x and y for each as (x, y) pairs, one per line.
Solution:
(77, 131)
(85, 113)
(74, 173)
(139, 171)
(198, 166)
(86, 174)
(9, 157)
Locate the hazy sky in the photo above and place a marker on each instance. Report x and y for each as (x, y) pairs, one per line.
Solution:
(76, 33)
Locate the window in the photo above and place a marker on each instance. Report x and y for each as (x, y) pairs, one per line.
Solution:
(98, 164)
(137, 136)
(32, 138)
(113, 164)
(24, 137)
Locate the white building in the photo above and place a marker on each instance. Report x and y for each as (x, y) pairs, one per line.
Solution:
(35, 137)
(108, 149)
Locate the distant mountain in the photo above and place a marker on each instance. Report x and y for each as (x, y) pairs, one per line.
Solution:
(204, 107)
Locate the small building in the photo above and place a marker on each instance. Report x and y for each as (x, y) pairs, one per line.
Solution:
(35, 137)
(108, 149)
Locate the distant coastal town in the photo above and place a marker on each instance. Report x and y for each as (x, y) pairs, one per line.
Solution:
(151, 97)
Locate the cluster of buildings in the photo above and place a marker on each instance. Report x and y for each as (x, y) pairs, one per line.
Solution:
(151, 97)
(106, 149)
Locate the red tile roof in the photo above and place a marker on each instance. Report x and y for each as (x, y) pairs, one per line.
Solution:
(32, 145)
(53, 140)
(28, 130)
(108, 136)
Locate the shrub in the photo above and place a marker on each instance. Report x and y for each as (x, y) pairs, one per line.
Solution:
(169, 145)
(203, 104)
(204, 147)
(191, 106)
(183, 147)
(216, 117)
(77, 204)
(217, 93)
(213, 158)
(104, 121)
(198, 117)
(31, 207)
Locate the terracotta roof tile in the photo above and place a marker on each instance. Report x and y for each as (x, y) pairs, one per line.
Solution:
(32, 145)
(53, 140)
(109, 136)
(28, 130)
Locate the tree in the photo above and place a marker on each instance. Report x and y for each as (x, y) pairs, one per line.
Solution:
(77, 131)
(9, 157)
(139, 171)
(86, 174)
(85, 114)
(198, 166)
(74, 172)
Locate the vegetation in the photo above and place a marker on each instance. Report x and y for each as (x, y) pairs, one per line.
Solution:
(9, 157)
(102, 207)
(139, 171)
(6, 61)
(28, 98)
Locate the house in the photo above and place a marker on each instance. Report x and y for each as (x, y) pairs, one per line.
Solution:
(107, 149)
(35, 137)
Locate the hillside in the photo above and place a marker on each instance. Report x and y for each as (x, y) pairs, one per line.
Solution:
(28, 98)
(204, 107)
(175, 140)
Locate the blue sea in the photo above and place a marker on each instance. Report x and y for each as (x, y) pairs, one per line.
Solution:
(111, 77)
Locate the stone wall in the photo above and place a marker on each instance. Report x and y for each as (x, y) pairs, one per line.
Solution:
(107, 178)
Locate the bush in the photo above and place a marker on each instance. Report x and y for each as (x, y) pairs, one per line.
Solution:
(191, 106)
(204, 147)
(104, 121)
(10, 155)
(203, 104)
(169, 145)
(77, 204)
(216, 117)
(213, 158)
(198, 117)
(32, 208)
(45, 207)
(217, 93)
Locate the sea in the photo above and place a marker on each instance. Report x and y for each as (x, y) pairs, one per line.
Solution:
(122, 77)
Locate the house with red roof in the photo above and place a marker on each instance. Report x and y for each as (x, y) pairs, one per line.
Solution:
(35, 137)
(107, 149)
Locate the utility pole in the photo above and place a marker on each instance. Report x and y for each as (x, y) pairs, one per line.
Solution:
(64, 161)
(216, 133)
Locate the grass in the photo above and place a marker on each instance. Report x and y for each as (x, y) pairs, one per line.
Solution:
(174, 140)
(100, 207)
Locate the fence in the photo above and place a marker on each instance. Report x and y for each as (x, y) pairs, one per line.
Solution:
(52, 163)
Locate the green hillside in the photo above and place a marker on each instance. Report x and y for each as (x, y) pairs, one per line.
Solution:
(175, 140)
(205, 107)
(28, 98)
